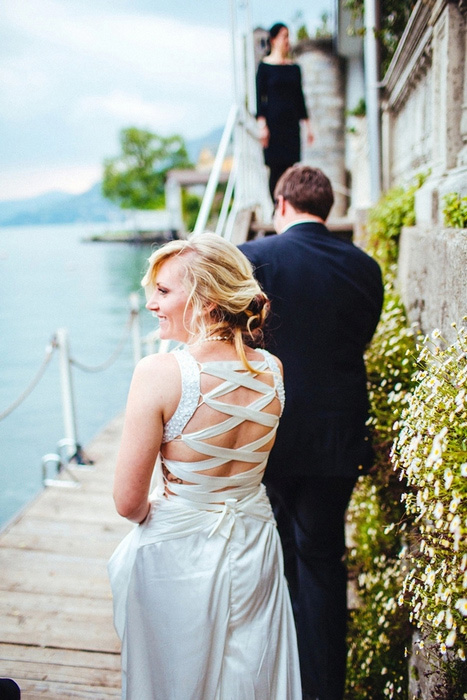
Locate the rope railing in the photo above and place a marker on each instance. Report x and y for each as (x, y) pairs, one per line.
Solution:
(69, 449)
(35, 381)
(116, 353)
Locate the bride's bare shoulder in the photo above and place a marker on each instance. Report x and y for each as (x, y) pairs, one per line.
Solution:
(160, 368)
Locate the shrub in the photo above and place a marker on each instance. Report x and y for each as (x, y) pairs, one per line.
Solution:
(455, 210)
(430, 454)
(385, 221)
(379, 630)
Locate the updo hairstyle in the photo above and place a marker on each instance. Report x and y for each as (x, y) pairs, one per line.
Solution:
(216, 273)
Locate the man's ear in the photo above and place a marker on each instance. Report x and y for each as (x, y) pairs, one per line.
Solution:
(282, 205)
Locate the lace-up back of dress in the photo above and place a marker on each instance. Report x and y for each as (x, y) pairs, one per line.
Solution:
(220, 436)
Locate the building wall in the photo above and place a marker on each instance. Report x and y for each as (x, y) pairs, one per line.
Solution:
(424, 130)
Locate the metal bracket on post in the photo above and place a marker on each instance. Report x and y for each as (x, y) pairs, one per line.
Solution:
(60, 467)
(78, 460)
(74, 449)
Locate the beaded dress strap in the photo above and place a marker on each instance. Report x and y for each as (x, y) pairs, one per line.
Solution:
(189, 398)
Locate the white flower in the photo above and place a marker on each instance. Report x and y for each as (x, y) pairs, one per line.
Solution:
(464, 469)
(454, 503)
(461, 605)
(448, 477)
(451, 638)
(455, 524)
(438, 510)
(439, 618)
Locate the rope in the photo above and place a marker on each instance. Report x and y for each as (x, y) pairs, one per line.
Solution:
(114, 356)
(48, 356)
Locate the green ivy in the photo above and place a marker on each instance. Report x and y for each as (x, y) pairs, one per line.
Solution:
(379, 630)
(385, 221)
(455, 210)
(394, 15)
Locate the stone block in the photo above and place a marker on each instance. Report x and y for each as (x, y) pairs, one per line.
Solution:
(431, 277)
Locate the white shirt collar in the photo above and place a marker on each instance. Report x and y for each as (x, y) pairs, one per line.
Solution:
(301, 221)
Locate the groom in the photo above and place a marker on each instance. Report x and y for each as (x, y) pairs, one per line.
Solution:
(326, 297)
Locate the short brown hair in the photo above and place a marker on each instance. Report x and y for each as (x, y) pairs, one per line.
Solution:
(307, 189)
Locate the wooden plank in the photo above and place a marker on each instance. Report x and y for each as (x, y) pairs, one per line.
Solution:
(57, 574)
(70, 622)
(57, 657)
(43, 672)
(57, 638)
(71, 537)
(33, 672)
(43, 690)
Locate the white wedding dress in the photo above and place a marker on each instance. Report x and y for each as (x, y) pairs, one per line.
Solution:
(200, 599)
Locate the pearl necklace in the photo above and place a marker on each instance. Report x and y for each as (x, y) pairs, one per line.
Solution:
(214, 337)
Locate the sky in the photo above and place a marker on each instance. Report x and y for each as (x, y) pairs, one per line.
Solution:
(73, 73)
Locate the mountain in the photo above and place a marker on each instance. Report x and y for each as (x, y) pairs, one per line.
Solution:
(10, 209)
(210, 141)
(90, 206)
(60, 208)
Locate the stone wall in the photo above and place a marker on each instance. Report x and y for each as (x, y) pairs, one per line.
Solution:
(424, 130)
(432, 277)
(324, 89)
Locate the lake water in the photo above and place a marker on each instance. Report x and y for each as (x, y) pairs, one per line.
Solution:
(51, 278)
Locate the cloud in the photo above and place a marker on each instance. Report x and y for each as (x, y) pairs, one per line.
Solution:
(151, 46)
(74, 73)
(130, 109)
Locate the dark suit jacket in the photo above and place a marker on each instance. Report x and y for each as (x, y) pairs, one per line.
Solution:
(326, 297)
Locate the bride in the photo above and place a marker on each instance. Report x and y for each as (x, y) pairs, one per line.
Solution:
(200, 600)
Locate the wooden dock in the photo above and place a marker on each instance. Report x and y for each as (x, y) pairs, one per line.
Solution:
(57, 638)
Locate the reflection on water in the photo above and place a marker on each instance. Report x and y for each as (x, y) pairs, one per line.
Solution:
(49, 279)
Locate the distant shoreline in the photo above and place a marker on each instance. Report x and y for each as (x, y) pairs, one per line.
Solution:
(138, 237)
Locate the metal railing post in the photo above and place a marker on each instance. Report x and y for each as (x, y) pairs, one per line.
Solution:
(66, 386)
(213, 181)
(135, 328)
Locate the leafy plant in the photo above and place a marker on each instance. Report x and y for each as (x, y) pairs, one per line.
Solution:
(430, 454)
(394, 16)
(136, 178)
(191, 204)
(379, 631)
(359, 110)
(385, 221)
(455, 210)
(324, 30)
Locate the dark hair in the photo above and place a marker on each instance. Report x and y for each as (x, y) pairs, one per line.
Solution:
(275, 29)
(307, 189)
(273, 32)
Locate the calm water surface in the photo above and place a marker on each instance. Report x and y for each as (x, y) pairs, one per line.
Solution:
(51, 278)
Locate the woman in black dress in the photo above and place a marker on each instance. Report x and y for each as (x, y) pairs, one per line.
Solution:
(280, 106)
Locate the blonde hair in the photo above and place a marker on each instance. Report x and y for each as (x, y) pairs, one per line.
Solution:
(216, 273)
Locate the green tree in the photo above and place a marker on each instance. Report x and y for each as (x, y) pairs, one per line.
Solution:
(394, 15)
(135, 179)
(324, 30)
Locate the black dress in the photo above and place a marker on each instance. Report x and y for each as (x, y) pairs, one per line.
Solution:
(281, 102)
